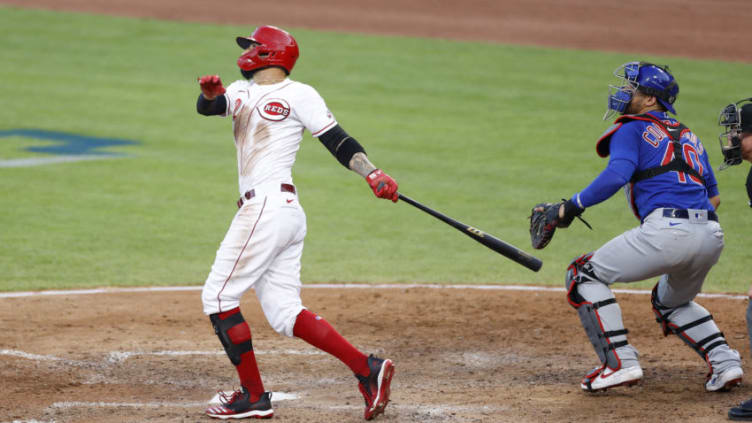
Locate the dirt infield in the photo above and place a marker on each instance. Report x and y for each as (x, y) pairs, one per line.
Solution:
(461, 355)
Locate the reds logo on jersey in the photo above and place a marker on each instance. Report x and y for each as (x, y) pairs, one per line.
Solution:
(275, 109)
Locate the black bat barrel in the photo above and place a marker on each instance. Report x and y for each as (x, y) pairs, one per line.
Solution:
(507, 250)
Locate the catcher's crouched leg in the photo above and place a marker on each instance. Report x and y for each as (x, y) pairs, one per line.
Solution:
(601, 317)
(694, 325)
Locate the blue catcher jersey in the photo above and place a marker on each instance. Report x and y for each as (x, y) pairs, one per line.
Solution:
(637, 145)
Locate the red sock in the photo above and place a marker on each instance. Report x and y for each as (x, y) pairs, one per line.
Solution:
(319, 333)
(248, 371)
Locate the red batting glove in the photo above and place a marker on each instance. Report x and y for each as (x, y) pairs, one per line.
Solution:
(211, 86)
(383, 185)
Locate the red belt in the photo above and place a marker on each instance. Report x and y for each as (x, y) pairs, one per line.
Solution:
(252, 193)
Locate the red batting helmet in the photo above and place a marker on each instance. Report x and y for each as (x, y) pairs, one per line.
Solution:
(271, 46)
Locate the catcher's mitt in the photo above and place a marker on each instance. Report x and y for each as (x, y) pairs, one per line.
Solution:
(544, 219)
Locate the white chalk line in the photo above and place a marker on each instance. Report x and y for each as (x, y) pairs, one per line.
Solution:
(344, 286)
(120, 356)
(38, 357)
(31, 421)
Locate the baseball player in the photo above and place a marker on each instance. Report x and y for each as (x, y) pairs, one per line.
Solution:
(264, 243)
(672, 190)
(736, 145)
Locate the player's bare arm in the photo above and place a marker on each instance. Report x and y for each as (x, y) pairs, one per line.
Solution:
(361, 165)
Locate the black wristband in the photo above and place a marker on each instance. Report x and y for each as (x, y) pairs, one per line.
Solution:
(217, 106)
(571, 210)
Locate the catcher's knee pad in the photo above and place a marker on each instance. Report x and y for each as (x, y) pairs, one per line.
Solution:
(692, 323)
(233, 332)
(599, 313)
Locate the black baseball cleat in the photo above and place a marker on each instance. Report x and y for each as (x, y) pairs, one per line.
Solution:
(742, 413)
(238, 406)
(376, 387)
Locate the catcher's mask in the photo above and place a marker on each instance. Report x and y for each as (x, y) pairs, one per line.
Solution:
(645, 77)
(269, 46)
(736, 119)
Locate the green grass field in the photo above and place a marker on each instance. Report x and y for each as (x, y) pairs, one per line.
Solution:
(478, 131)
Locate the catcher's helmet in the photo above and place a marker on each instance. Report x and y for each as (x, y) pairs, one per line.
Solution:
(270, 46)
(736, 118)
(645, 77)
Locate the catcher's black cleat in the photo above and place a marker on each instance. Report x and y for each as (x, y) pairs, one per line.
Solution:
(376, 387)
(238, 406)
(742, 413)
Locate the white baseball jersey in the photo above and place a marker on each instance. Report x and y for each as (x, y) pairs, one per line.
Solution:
(268, 123)
(264, 244)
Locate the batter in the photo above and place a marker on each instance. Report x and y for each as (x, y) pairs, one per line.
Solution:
(263, 247)
(670, 186)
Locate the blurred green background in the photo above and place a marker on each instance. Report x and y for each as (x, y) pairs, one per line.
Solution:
(479, 131)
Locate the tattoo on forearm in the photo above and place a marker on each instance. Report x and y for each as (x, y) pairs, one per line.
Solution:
(359, 164)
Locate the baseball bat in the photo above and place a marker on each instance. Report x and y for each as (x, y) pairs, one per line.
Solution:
(507, 250)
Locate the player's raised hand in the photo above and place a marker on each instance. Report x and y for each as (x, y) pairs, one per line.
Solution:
(211, 86)
(383, 185)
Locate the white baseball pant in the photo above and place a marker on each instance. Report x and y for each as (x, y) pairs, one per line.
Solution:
(262, 249)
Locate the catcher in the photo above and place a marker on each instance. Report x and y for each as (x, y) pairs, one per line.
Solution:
(672, 190)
